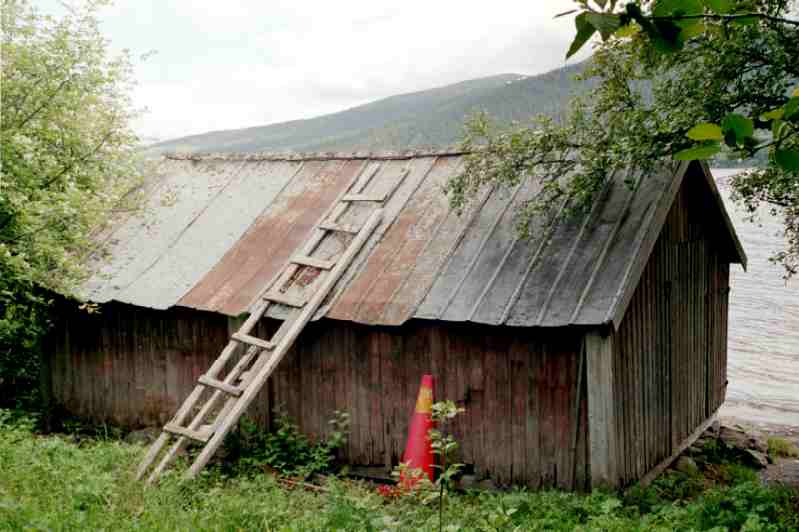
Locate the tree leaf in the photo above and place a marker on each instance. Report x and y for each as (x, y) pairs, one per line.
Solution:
(605, 23)
(776, 128)
(795, 92)
(721, 7)
(787, 159)
(672, 8)
(627, 31)
(705, 131)
(584, 32)
(791, 108)
(667, 36)
(694, 30)
(702, 151)
(774, 114)
(745, 21)
(738, 124)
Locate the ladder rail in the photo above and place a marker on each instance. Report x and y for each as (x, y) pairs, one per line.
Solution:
(254, 386)
(336, 209)
(282, 341)
(209, 405)
(185, 408)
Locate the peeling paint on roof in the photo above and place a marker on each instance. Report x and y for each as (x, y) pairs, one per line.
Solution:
(218, 229)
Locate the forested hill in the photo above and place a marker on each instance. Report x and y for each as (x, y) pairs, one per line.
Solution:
(432, 117)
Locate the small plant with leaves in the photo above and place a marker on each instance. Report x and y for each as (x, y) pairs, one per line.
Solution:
(444, 446)
(286, 449)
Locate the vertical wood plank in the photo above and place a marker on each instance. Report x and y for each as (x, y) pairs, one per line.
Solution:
(532, 464)
(519, 365)
(599, 379)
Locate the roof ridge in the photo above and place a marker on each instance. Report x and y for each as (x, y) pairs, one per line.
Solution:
(316, 156)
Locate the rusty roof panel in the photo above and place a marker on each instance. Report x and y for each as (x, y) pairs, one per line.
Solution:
(372, 292)
(229, 224)
(272, 238)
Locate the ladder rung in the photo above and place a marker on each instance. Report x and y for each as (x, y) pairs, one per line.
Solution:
(219, 385)
(285, 299)
(201, 436)
(305, 260)
(362, 197)
(252, 340)
(339, 227)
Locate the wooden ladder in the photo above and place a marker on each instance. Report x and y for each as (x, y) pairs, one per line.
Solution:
(237, 390)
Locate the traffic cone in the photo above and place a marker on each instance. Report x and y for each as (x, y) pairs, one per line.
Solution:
(418, 451)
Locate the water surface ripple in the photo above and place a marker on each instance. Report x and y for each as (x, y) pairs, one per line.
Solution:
(763, 362)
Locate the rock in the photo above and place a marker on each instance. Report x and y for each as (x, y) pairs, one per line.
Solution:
(687, 465)
(738, 438)
(143, 436)
(712, 432)
(695, 450)
(756, 458)
(734, 438)
(757, 443)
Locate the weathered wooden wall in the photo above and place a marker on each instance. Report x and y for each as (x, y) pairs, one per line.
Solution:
(523, 389)
(670, 352)
(130, 365)
(519, 387)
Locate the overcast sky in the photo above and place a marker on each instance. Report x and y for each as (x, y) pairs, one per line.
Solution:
(231, 64)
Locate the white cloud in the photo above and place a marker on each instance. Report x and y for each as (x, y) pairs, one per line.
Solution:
(224, 65)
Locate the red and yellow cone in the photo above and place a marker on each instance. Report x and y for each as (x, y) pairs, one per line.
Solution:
(418, 451)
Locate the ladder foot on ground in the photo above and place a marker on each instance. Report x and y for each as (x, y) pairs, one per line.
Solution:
(236, 391)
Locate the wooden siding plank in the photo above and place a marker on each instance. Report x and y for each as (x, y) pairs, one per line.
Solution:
(504, 448)
(601, 409)
(533, 421)
(491, 439)
(519, 364)
(477, 402)
(567, 379)
(377, 447)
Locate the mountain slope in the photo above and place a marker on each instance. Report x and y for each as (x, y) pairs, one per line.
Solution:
(432, 117)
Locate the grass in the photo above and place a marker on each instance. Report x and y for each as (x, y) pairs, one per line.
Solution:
(780, 447)
(52, 483)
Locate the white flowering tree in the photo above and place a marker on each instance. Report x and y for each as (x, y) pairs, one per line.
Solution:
(67, 158)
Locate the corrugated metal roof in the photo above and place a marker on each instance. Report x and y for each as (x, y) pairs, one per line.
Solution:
(218, 229)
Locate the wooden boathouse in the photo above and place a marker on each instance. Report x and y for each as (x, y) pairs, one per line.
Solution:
(584, 356)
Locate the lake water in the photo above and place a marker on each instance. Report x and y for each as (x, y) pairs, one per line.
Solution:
(763, 363)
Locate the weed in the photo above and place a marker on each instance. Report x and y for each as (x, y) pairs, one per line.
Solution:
(51, 483)
(780, 447)
(286, 449)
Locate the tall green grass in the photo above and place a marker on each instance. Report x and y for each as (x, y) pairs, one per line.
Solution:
(52, 483)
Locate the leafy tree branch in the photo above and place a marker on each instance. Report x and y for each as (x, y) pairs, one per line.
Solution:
(673, 79)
